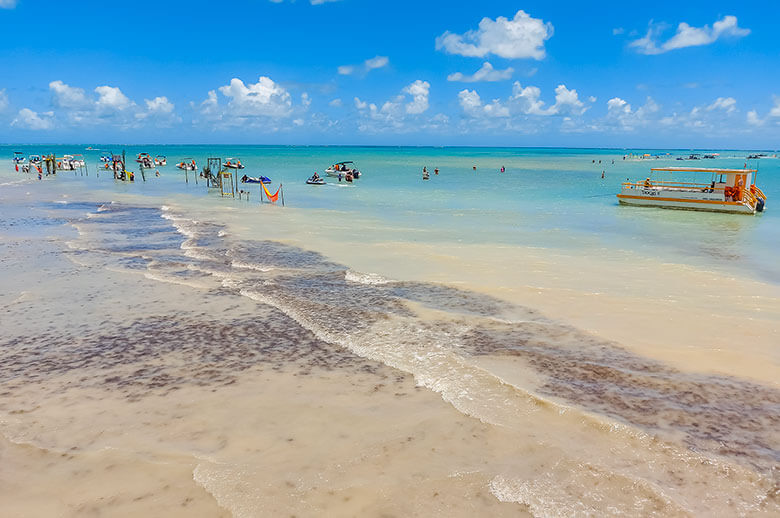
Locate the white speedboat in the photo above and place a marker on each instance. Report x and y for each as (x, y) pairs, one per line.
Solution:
(34, 160)
(66, 163)
(187, 165)
(160, 160)
(728, 190)
(19, 157)
(145, 159)
(233, 163)
(342, 168)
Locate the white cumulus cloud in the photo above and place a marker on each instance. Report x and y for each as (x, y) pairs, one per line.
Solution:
(29, 119)
(688, 36)
(419, 92)
(528, 98)
(264, 98)
(66, 96)
(520, 37)
(775, 111)
(159, 105)
(112, 98)
(472, 105)
(753, 119)
(485, 73)
(402, 112)
(7, 4)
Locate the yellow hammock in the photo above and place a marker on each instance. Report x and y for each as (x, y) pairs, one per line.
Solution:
(272, 197)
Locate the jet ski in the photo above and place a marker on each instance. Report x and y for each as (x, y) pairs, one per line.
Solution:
(315, 180)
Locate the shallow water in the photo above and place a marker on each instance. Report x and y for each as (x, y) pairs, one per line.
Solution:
(177, 353)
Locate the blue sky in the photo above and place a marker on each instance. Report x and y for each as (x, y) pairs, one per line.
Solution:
(656, 74)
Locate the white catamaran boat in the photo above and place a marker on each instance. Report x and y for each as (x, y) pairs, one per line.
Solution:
(729, 190)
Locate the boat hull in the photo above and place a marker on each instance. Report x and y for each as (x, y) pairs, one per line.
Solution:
(666, 201)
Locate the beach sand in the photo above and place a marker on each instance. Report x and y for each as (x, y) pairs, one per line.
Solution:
(173, 359)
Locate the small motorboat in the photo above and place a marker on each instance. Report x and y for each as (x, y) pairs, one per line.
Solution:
(66, 163)
(342, 168)
(187, 165)
(315, 180)
(145, 159)
(160, 160)
(255, 179)
(34, 160)
(105, 158)
(19, 157)
(233, 163)
(78, 161)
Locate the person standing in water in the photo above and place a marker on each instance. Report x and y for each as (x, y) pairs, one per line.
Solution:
(474, 168)
(503, 169)
(436, 171)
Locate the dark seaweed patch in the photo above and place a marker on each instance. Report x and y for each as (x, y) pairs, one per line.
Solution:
(720, 414)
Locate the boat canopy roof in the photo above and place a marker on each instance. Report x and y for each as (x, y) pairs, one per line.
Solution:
(346, 162)
(701, 170)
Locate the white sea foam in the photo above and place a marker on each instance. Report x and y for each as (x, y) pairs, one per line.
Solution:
(226, 484)
(176, 280)
(16, 182)
(251, 266)
(365, 278)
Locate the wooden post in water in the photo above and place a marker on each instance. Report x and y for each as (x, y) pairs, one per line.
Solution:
(281, 187)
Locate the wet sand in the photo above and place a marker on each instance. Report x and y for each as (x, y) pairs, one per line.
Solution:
(158, 361)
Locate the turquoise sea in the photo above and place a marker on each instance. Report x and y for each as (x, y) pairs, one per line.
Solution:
(547, 197)
(480, 343)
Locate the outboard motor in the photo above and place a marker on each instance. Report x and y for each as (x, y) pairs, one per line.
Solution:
(760, 205)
